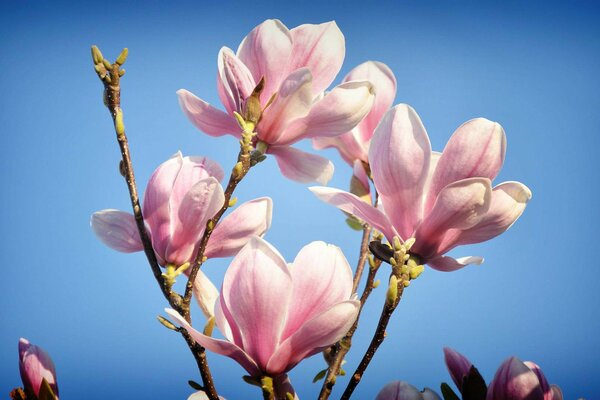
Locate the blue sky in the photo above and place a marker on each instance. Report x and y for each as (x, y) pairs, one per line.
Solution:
(531, 66)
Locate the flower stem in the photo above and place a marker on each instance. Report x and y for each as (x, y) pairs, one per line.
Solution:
(110, 74)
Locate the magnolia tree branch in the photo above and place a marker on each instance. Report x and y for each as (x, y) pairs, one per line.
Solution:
(110, 75)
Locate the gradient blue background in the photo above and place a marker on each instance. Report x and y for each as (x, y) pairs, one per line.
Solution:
(532, 66)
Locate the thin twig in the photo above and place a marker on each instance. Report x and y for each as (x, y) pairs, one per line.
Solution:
(362, 258)
(110, 75)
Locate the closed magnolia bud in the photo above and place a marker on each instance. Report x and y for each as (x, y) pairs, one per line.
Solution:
(399, 390)
(517, 380)
(35, 365)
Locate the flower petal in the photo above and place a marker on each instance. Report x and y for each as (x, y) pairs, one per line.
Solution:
(293, 101)
(35, 365)
(457, 364)
(314, 335)
(321, 278)
(352, 204)
(252, 218)
(548, 394)
(117, 229)
(384, 82)
(302, 167)
(348, 145)
(514, 381)
(257, 291)
(337, 112)
(449, 264)
(507, 204)
(460, 205)
(234, 81)
(201, 203)
(556, 393)
(321, 48)
(399, 390)
(218, 346)
(208, 119)
(266, 52)
(476, 148)
(206, 294)
(399, 157)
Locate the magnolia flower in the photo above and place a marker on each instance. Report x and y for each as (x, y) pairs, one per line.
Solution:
(458, 366)
(35, 365)
(182, 195)
(399, 390)
(275, 314)
(517, 380)
(297, 66)
(354, 145)
(441, 199)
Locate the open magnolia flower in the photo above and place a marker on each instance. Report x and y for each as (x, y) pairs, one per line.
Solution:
(295, 67)
(35, 365)
(274, 314)
(182, 195)
(441, 199)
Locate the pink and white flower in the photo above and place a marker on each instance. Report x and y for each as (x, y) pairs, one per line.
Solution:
(399, 390)
(297, 66)
(441, 199)
(274, 314)
(517, 380)
(182, 195)
(35, 365)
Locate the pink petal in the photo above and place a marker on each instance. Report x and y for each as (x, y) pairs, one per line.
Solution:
(348, 145)
(458, 366)
(337, 112)
(352, 204)
(399, 390)
(321, 278)
(200, 395)
(300, 166)
(514, 381)
(252, 218)
(216, 345)
(293, 100)
(211, 167)
(429, 394)
(449, 264)
(314, 335)
(548, 394)
(384, 82)
(208, 119)
(460, 205)
(234, 81)
(156, 205)
(117, 229)
(399, 157)
(35, 365)
(206, 294)
(321, 48)
(476, 148)
(507, 204)
(257, 291)
(200, 204)
(266, 52)
(222, 322)
(556, 393)
(360, 184)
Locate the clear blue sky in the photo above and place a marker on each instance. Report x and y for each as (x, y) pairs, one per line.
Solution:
(532, 66)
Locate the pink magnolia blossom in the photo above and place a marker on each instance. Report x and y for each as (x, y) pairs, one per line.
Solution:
(297, 66)
(182, 195)
(458, 366)
(35, 365)
(441, 199)
(275, 314)
(399, 390)
(517, 380)
(354, 145)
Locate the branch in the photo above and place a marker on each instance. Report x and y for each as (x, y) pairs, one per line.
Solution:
(110, 75)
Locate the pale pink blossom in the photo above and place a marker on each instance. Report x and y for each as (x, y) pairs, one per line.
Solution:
(182, 195)
(35, 365)
(399, 390)
(354, 145)
(441, 199)
(517, 380)
(297, 66)
(273, 314)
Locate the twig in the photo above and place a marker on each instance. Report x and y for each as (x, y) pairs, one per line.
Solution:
(110, 75)
(362, 258)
